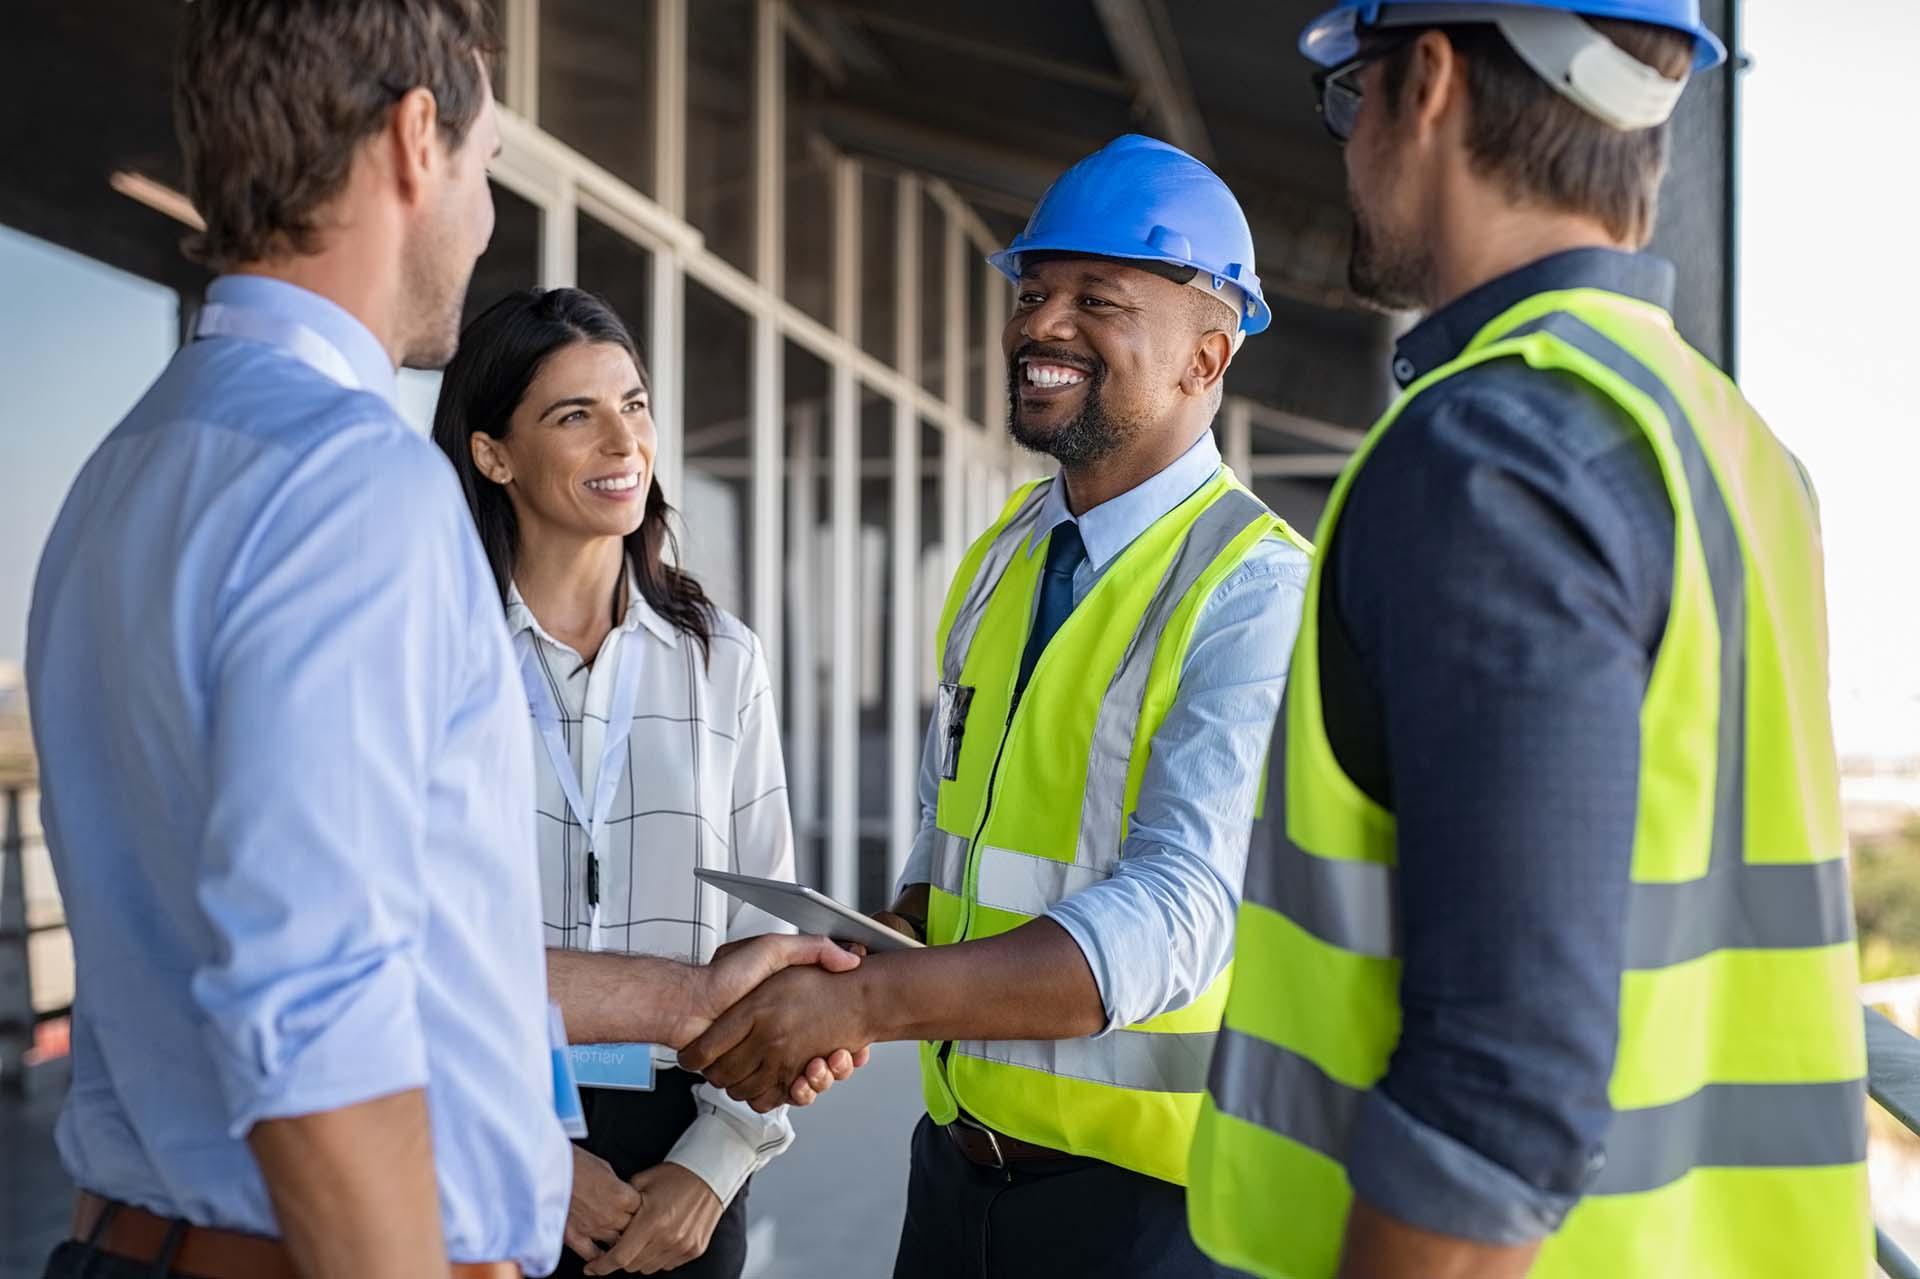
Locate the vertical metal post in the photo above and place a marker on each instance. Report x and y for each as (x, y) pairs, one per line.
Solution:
(953, 528)
(669, 371)
(670, 105)
(993, 373)
(1735, 72)
(903, 699)
(669, 281)
(520, 34)
(16, 983)
(843, 689)
(768, 466)
(803, 714)
(559, 239)
(1236, 429)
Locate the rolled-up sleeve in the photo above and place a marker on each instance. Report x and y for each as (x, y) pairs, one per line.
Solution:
(1159, 931)
(918, 868)
(1494, 582)
(335, 641)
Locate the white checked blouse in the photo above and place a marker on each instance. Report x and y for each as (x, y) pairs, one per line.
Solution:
(704, 785)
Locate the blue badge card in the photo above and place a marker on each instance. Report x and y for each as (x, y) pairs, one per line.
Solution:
(566, 1092)
(628, 1066)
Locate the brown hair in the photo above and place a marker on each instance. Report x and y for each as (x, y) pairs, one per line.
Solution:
(1544, 147)
(273, 98)
(499, 356)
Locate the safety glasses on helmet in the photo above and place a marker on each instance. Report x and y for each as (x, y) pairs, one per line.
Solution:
(1338, 88)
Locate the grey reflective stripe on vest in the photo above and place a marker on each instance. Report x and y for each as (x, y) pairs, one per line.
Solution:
(1104, 800)
(1345, 903)
(949, 872)
(1720, 1126)
(1736, 905)
(1144, 1060)
(1735, 1126)
(993, 565)
(1283, 1092)
(1008, 879)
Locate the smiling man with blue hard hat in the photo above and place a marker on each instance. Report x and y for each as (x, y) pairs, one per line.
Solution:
(1112, 654)
(1545, 965)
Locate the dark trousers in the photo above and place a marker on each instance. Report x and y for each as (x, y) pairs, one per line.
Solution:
(635, 1131)
(1040, 1220)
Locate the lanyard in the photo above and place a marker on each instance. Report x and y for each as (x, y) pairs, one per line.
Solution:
(252, 324)
(626, 681)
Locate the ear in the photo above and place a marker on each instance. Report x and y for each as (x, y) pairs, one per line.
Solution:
(413, 132)
(1208, 364)
(490, 459)
(1436, 81)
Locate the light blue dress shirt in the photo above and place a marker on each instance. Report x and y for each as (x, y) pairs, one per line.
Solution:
(1160, 930)
(288, 791)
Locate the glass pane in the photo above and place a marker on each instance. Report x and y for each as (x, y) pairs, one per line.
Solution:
(874, 640)
(720, 126)
(512, 259)
(621, 272)
(878, 301)
(933, 583)
(809, 178)
(596, 83)
(72, 364)
(981, 329)
(807, 637)
(716, 501)
(933, 296)
(497, 64)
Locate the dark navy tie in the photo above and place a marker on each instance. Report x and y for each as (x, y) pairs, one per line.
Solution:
(1065, 553)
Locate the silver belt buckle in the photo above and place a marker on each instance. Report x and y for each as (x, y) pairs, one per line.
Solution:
(993, 1140)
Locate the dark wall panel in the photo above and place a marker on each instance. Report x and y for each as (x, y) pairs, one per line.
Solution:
(1695, 230)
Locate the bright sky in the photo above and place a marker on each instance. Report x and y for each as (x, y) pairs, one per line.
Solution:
(1831, 281)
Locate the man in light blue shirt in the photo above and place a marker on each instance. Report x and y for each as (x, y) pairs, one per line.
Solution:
(1134, 288)
(286, 772)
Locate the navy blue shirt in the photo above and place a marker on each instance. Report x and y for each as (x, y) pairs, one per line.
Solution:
(1495, 594)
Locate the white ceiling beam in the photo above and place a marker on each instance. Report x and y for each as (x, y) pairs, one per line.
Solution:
(1143, 41)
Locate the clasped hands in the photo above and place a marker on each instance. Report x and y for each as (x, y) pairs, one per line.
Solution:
(792, 1026)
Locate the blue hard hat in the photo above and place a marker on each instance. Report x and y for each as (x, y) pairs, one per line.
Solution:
(1143, 199)
(1334, 36)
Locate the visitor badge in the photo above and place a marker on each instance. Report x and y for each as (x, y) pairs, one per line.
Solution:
(566, 1091)
(950, 713)
(628, 1066)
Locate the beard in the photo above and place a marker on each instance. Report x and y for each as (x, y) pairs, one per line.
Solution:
(434, 275)
(1090, 435)
(1387, 270)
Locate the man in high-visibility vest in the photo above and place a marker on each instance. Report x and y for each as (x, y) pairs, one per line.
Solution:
(1111, 655)
(1545, 960)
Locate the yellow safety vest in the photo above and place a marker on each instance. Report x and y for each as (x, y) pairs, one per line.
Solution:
(1737, 1147)
(1034, 803)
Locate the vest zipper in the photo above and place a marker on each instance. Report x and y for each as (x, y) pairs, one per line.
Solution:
(967, 879)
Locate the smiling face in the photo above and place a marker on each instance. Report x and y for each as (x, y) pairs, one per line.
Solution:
(1099, 352)
(577, 458)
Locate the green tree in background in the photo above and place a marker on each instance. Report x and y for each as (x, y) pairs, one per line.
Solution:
(1886, 901)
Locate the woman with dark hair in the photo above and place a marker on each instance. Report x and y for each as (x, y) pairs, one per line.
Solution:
(655, 747)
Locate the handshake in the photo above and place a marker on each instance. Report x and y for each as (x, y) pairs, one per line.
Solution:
(779, 1019)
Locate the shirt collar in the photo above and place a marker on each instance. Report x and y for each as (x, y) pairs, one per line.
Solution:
(639, 614)
(1110, 527)
(362, 351)
(1442, 336)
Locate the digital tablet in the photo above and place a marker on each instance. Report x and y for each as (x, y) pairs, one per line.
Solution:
(807, 910)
